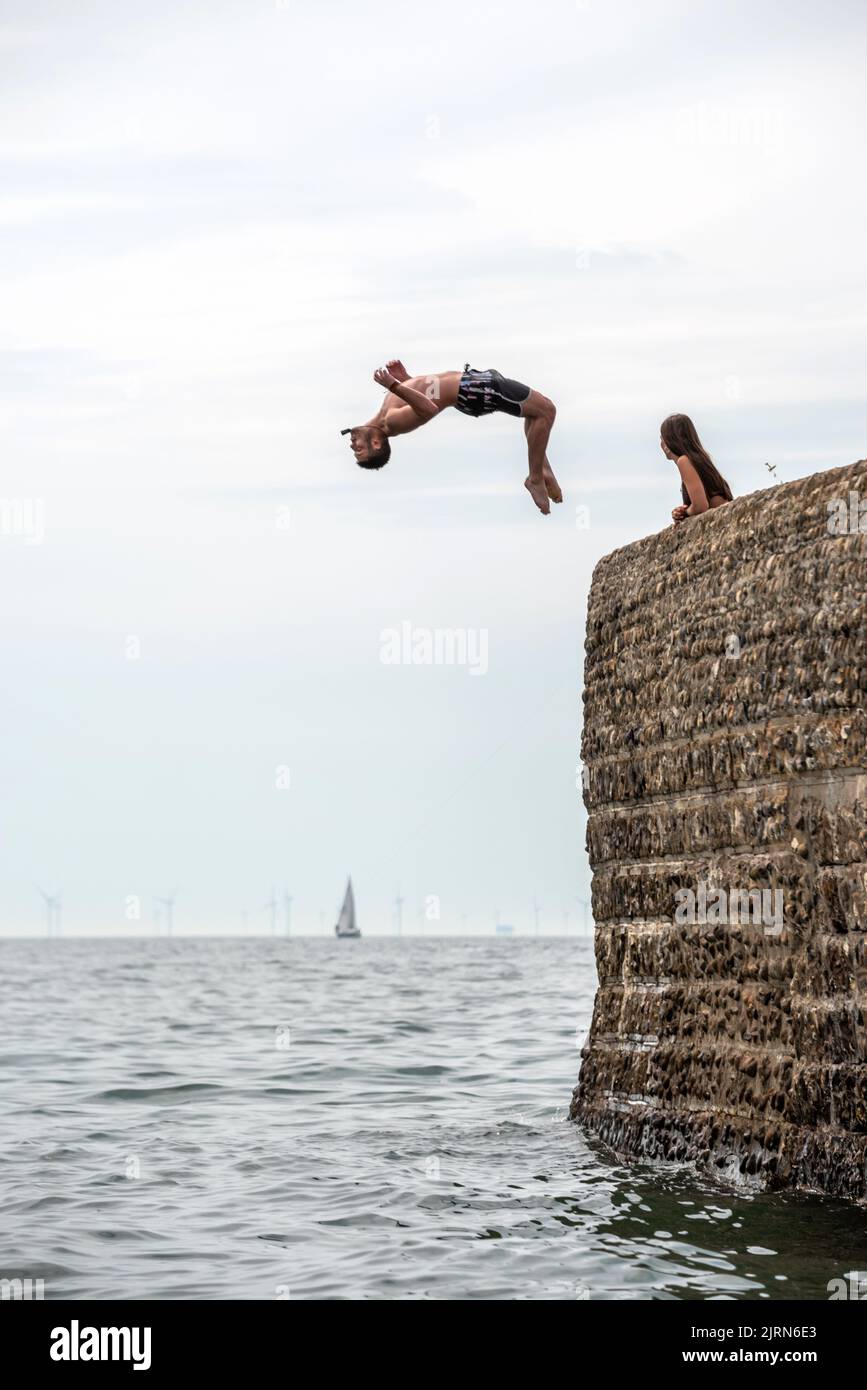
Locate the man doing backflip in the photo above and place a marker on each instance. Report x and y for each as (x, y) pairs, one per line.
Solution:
(411, 401)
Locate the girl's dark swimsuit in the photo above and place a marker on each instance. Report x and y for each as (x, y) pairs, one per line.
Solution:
(481, 393)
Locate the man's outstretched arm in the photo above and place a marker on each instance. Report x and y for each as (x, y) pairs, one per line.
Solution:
(420, 404)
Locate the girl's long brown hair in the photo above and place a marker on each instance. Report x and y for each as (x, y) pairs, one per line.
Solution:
(680, 435)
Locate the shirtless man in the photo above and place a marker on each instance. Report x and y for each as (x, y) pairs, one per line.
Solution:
(411, 401)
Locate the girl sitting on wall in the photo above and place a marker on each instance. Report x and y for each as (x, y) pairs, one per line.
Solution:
(701, 485)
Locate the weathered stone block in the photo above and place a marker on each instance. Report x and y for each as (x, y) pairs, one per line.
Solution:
(724, 742)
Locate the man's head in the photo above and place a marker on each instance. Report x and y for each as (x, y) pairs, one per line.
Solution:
(370, 446)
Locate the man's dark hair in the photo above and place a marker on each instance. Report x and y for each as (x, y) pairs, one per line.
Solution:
(379, 459)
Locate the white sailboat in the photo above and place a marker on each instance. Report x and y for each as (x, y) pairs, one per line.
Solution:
(346, 923)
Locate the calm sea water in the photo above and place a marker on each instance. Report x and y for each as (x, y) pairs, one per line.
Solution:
(224, 1118)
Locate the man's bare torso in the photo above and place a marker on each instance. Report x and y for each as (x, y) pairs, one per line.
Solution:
(439, 387)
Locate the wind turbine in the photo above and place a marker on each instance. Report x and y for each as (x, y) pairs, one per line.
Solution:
(52, 911)
(585, 903)
(271, 906)
(287, 910)
(398, 910)
(536, 913)
(169, 905)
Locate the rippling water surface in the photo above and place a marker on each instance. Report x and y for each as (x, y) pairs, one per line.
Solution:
(384, 1118)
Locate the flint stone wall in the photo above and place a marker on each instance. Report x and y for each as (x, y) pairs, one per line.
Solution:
(724, 742)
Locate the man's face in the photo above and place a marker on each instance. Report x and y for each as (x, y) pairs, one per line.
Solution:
(364, 441)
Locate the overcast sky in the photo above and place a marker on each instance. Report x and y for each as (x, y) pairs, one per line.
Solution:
(217, 219)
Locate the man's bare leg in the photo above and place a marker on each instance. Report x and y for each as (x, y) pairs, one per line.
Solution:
(539, 416)
(551, 485)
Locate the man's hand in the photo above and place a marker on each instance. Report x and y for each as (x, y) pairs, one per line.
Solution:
(397, 369)
(421, 407)
(680, 513)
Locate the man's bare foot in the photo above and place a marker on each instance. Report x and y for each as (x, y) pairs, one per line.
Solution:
(552, 486)
(539, 493)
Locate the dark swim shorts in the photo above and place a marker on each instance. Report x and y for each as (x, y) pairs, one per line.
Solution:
(481, 393)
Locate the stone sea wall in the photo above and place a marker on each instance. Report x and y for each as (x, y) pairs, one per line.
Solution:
(724, 751)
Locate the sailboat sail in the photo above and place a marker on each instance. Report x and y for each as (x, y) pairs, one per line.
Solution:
(346, 924)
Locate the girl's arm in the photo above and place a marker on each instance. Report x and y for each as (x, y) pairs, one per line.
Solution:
(698, 502)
